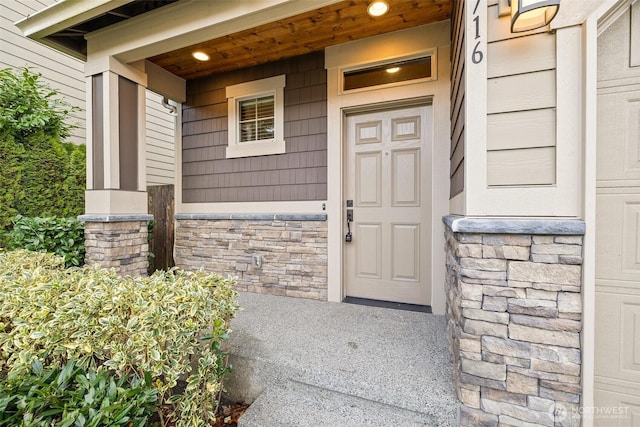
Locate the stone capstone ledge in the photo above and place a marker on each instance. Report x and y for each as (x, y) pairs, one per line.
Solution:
(459, 224)
(254, 217)
(114, 218)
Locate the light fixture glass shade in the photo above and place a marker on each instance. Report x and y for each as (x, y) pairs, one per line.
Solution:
(531, 14)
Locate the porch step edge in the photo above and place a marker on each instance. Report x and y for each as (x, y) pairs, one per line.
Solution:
(293, 403)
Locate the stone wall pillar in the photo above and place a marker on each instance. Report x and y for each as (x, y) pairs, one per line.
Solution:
(514, 312)
(119, 242)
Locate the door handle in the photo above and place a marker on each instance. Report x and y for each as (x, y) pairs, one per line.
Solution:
(349, 237)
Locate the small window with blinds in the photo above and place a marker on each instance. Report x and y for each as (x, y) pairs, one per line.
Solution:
(256, 118)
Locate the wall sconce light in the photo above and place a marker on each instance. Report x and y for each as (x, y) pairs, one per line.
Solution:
(173, 110)
(531, 14)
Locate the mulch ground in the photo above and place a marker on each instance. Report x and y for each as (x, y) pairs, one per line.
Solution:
(227, 416)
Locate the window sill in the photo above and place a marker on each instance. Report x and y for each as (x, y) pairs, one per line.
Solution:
(255, 149)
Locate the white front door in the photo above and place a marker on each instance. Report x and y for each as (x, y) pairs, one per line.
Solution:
(388, 181)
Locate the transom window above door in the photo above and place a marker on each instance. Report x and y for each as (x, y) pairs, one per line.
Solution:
(256, 118)
(389, 73)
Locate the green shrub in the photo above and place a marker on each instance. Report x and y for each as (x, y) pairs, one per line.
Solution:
(52, 180)
(74, 396)
(11, 169)
(40, 175)
(28, 105)
(61, 236)
(171, 325)
(42, 178)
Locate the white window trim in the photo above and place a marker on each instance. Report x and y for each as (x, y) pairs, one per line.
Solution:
(255, 89)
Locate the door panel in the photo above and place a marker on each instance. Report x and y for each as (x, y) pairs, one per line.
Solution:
(406, 177)
(406, 252)
(369, 249)
(405, 128)
(369, 132)
(368, 179)
(387, 174)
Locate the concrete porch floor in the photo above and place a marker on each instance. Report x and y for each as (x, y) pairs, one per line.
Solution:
(311, 363)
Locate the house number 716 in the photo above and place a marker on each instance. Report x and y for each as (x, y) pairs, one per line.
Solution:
(477, 54)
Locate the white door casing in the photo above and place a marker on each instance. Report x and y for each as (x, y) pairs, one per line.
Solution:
(436, 93)
(387, 174)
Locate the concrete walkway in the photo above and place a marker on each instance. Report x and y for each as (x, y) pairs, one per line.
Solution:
(310, 363)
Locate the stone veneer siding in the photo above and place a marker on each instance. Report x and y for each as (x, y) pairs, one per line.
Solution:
(293, 250)
(118, 242)
(514, 312)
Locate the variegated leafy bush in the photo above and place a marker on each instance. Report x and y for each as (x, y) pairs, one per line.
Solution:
(171, 325)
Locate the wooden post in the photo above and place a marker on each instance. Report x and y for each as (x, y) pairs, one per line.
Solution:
(161, 206)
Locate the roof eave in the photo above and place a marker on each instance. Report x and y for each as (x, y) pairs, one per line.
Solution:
(63, 15)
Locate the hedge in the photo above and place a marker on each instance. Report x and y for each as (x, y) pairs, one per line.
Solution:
(40, 174)
(60, 236)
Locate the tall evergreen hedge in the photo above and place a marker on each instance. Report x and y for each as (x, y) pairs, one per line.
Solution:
(40, 174)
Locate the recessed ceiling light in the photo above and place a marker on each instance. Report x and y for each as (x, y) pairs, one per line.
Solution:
(393, 70)
(378, 8)
(200, 56)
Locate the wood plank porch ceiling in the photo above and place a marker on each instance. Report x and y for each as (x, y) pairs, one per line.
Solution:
(308, 32)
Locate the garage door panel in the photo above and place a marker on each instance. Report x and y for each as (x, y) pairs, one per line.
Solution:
(617, 284)
(619, 126)
(618, 336)
(618, 236)
(623, 410)
(630, 238)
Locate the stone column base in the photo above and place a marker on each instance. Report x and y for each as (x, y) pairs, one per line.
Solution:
(117, 241)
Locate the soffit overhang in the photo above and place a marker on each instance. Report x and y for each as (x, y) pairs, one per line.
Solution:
(236, 33)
